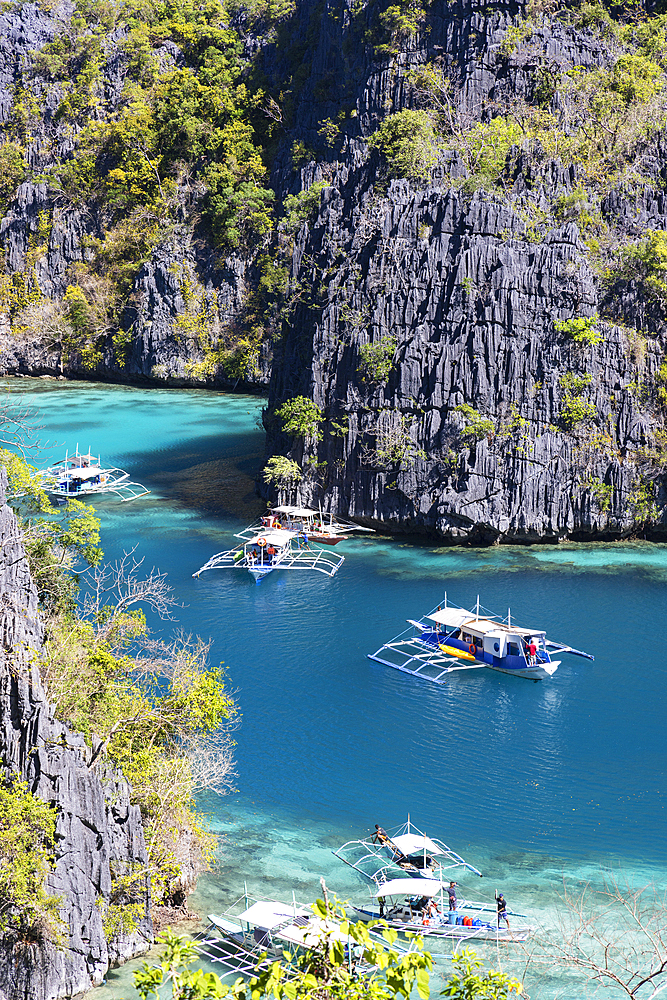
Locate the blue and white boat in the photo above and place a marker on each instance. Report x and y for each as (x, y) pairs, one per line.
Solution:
(451, 639)
(79, 477)
(271, 549)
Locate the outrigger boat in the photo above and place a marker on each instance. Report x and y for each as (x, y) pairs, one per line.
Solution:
(421, 906)
(381, 857)
(80, 476)
(450, 639)
(247, 941)
(274, 548)
(319, 527)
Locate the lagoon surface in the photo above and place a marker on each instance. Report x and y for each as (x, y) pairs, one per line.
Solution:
(533, 783)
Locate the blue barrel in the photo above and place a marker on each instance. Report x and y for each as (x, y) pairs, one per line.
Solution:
(452, 916)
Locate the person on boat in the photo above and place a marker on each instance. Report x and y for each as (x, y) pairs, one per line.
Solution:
(270, 551)
(532, 650)
(380, 836)
(502, 910)
(451, 892)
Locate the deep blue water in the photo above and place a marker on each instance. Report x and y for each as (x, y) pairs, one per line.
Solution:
(530, 781)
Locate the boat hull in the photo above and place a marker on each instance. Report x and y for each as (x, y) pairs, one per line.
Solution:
(538, 672)
(258, 573)
(326, 539)
(442, 929)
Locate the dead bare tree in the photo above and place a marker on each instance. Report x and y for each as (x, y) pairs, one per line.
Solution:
(114, 590)
(616, 936)
(16, 428)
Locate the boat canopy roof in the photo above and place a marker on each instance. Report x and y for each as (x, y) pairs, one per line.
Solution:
(412, 843)
(266, 913)
(85, 472)
(272, 536)
(450, 616)
(409, 887)
(456, 618)
(313, 933)
(294, 511)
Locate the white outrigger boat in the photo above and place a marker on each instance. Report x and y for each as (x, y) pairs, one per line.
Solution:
(274, 548)
(382, 857)
(323, 528)
(421, 906)
(450, 639)
(247, 941)
(80, 476)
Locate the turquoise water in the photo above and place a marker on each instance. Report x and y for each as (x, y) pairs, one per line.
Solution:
(532, 782)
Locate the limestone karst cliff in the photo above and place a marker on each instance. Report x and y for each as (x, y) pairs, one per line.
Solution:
(99, 833)
(219, 199)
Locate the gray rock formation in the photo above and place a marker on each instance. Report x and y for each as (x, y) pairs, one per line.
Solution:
(469, 282)
(98, 833)
(471, 290)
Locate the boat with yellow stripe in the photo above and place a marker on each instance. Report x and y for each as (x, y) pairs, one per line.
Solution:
(450, 639)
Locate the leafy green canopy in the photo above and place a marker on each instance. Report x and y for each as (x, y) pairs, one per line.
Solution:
(407, 141)
(376, 361)
(301, 417)
(195, 119)
(27, 830)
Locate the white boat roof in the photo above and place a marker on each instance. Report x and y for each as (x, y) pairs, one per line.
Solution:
(294, 511)
(410, 887)
(223, 924)
(273, 536)
(456, 618)
(87, 472)
(450, 616)
(267, 913)
(412, 843)
(313, 932)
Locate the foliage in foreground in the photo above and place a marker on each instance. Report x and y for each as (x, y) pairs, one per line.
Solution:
(157, 710)
(27, 830)
(323, 972)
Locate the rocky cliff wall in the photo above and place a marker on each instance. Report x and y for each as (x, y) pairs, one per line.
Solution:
(494, 422)
(99, 834)
(471, 284)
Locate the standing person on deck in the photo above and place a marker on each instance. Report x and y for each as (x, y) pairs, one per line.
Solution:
(502, 910)
(451, 892)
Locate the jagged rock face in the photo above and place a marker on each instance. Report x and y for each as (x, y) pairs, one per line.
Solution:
(98, 830)
(467, 286)
(471, 298)
(473, 307)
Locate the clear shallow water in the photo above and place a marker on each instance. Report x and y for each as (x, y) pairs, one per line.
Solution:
(531, 782)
